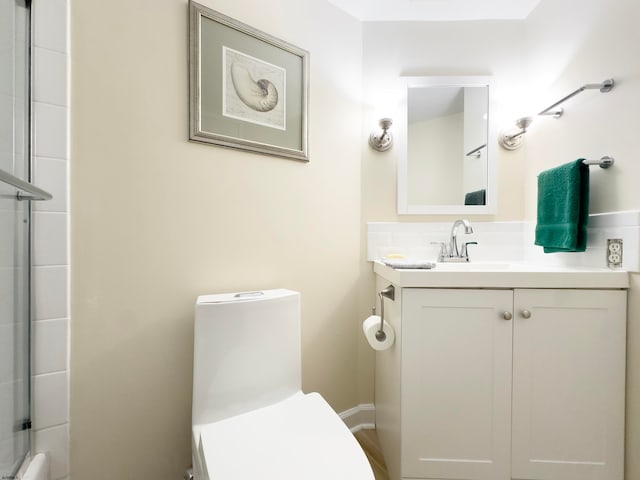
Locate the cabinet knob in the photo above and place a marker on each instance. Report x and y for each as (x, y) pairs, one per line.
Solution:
(526, 314)
(507, 315)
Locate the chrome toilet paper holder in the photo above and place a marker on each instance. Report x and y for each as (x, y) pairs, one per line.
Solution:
(390, 293)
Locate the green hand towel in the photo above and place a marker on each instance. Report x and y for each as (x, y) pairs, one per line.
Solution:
(478, 197)
(563, 208)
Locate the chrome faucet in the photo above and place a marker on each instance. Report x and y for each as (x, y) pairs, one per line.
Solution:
(453, 238)
(452, 253)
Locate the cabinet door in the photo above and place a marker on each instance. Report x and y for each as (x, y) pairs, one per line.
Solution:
(568, 384)
(456, 383)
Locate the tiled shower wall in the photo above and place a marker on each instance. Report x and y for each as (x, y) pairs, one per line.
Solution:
(50, 260)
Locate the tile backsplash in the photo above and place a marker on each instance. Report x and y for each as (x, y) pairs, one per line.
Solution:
(508, 241)
(501, 241)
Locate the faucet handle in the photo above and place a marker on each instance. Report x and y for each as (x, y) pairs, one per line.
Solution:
(464, 253)
(443, 250)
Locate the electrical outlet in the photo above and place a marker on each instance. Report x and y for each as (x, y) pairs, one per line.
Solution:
(614, 252)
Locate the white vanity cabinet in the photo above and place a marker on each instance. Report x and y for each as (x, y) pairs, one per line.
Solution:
(568, 384)
(456, 384)
(503, 383)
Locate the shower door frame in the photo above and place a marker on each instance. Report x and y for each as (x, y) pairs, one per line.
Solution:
(16, 193)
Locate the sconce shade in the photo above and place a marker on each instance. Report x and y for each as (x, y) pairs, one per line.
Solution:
(381, 140)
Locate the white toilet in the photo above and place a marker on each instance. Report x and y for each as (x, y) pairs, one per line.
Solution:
(250, 417)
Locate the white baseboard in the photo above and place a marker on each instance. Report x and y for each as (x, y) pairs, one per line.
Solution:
(361, 417)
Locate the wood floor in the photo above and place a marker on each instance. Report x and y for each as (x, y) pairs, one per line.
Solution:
(369, 442)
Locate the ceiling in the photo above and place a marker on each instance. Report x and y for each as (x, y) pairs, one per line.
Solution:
(436, 10)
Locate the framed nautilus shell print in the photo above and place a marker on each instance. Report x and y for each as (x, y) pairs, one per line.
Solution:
(248, 90)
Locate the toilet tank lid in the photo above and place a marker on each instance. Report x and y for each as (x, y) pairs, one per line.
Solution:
(251, 296)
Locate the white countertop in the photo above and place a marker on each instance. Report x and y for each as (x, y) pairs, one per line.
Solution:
(503, 275)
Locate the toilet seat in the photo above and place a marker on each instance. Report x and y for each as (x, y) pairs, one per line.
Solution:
(298, 438)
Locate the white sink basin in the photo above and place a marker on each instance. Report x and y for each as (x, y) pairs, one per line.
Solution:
(473, 267)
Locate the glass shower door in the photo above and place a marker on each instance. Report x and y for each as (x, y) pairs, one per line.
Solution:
(14, 237)
(14, 335)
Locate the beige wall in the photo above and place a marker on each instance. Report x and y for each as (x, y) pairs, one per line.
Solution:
(158, 220)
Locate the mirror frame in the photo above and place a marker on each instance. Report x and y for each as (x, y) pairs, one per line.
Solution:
(404, 208)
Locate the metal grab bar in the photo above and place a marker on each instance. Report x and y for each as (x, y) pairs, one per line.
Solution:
(604, 87)
(32, 192)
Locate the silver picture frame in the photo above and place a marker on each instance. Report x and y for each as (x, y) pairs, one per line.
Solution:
(248, 90)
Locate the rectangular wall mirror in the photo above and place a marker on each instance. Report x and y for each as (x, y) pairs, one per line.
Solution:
(446, 164)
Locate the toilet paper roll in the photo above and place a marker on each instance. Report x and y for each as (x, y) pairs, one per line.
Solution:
(370, 326)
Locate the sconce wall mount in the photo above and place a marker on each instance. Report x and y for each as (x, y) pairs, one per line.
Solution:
(381, 140)
(513, 140)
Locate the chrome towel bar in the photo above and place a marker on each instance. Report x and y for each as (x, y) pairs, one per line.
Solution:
(604, 162)
(32, 192)
(604, 87)
(476, 151)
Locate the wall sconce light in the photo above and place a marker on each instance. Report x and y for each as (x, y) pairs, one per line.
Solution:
(381, 140)
(513, 140)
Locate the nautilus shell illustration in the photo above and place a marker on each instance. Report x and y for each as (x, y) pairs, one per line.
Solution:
(260, 95)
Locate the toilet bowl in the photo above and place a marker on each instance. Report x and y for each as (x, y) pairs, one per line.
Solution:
(250, 417)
